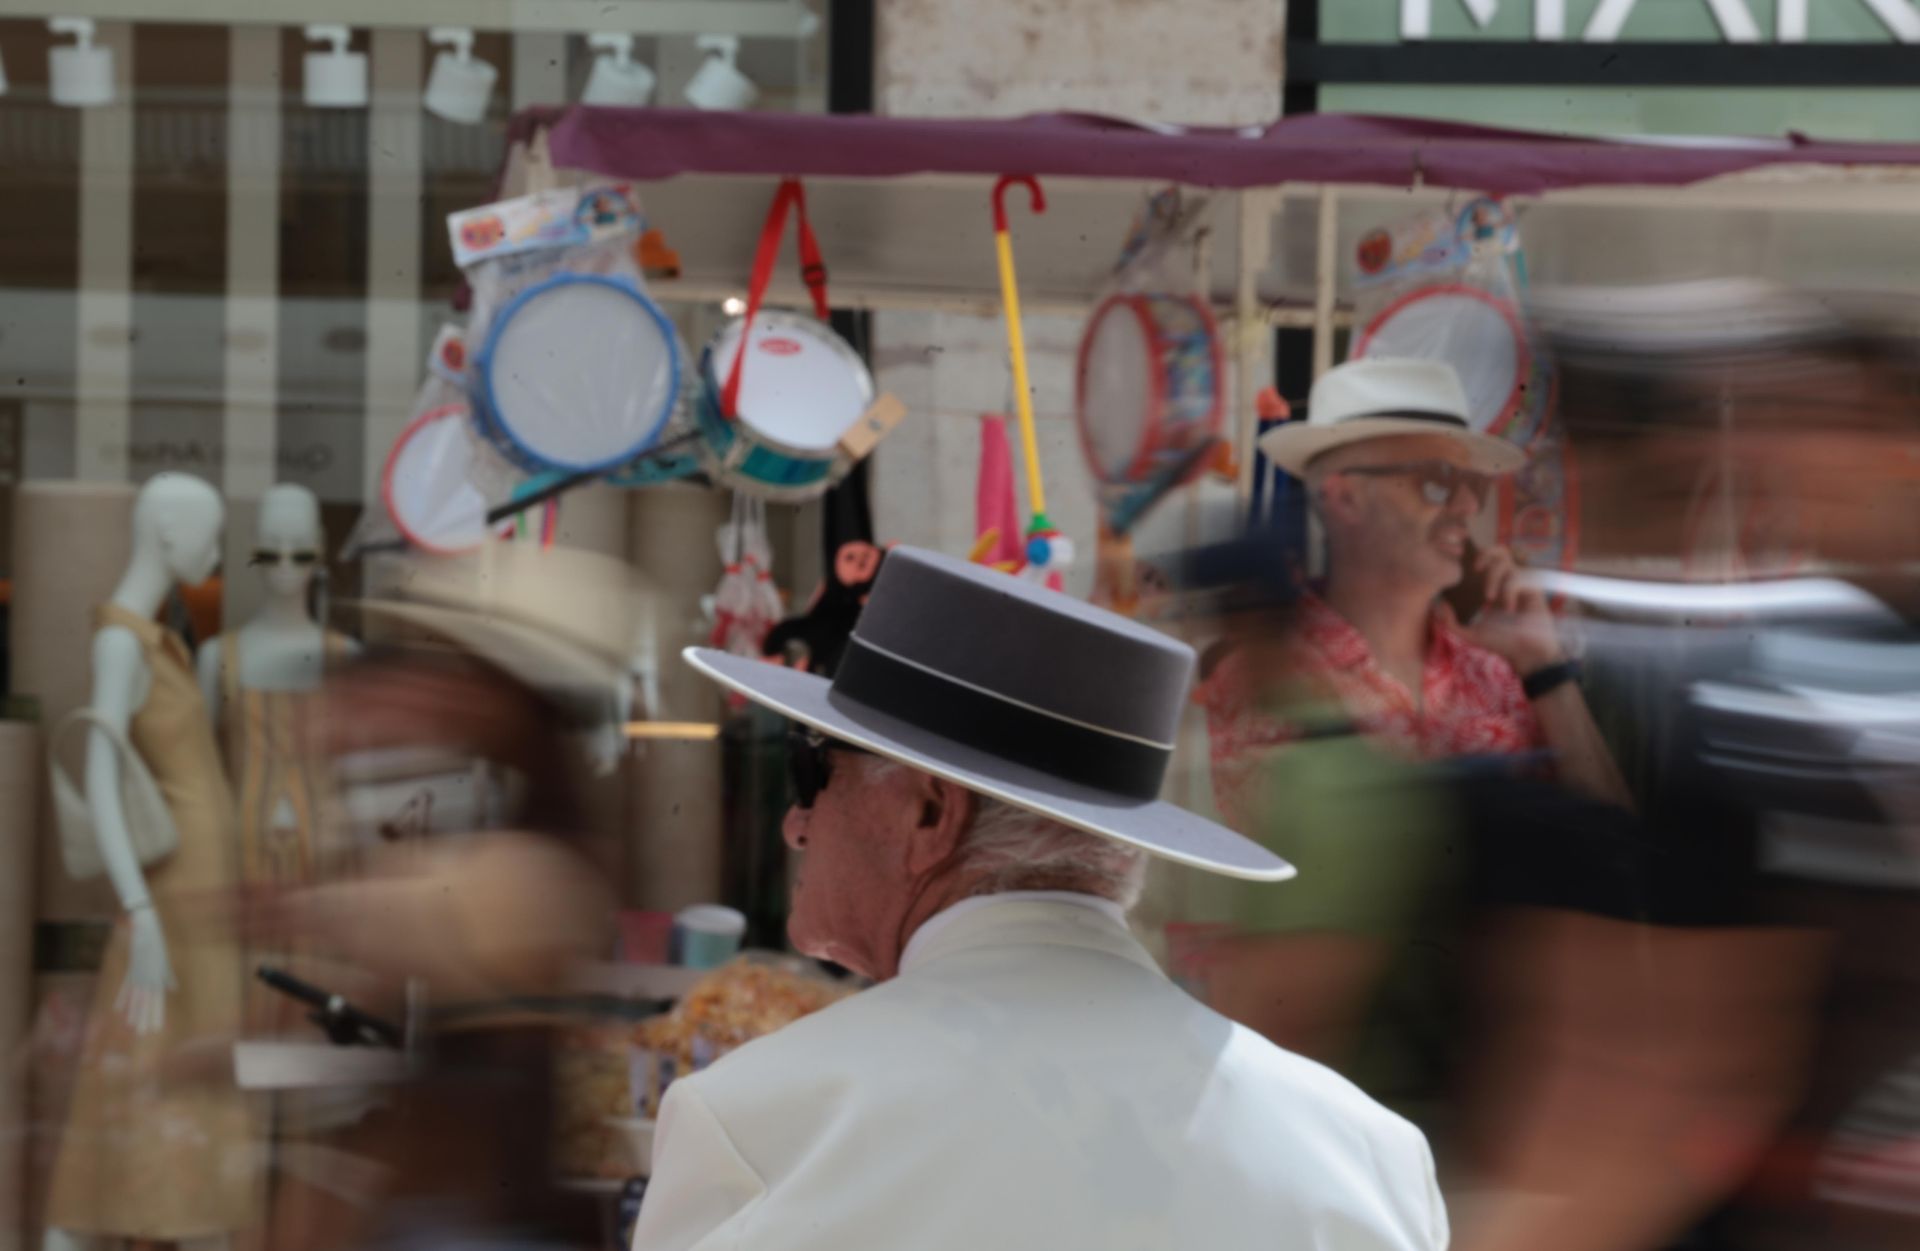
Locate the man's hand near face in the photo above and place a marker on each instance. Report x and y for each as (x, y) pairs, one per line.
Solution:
(1516, 625)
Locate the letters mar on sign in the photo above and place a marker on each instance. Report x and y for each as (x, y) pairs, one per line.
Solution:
(1734, 18)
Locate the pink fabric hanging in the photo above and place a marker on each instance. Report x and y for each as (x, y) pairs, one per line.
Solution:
(994, 504)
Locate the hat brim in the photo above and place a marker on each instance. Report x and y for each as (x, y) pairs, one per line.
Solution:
(1154, 826)
(1293, 445)
(529, 655)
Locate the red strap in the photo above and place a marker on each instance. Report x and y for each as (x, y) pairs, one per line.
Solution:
(813, 272)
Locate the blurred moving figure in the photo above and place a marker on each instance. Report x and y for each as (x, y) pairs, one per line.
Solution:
(1767, 438)
(464, 742)
(1641, 991)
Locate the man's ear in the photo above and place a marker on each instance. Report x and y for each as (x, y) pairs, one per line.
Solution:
(942, 813)
(1336, 498)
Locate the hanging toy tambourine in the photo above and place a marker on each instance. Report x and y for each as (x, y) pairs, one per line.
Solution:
(433, 485)
(780, 393)
(579, 374)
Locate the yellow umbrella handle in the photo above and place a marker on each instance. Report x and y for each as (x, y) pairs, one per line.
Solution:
(1017, 338)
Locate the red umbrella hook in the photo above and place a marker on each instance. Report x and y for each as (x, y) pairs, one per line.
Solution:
(1032, 184)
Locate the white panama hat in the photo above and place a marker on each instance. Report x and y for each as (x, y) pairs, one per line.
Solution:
(1381, 396)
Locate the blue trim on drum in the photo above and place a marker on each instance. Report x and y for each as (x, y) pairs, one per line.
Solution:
(497, 429)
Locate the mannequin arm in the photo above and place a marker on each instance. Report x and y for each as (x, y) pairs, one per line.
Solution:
(119, 689)
(206, 667)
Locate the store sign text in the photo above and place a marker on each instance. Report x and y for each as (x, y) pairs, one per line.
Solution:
(1734, 18)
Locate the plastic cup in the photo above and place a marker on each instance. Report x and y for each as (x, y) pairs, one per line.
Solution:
(706, 936)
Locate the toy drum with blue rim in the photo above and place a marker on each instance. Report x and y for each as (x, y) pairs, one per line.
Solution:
(1149, 389)
(802, 389)
(578, 374)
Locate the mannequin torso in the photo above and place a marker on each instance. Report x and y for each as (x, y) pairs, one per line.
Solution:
(262, 683)
(142, 1157)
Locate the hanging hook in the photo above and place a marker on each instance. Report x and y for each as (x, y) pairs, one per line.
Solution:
(1032, 184)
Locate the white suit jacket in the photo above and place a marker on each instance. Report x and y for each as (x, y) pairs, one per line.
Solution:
(1031, 1080)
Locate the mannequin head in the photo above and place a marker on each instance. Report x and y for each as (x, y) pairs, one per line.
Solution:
(176, 522)
(289, 544)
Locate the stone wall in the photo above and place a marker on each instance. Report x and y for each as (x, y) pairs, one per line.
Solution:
(1204, 62)
(1215, 62)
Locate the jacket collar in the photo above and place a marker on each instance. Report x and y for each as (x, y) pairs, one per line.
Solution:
(1024, 919)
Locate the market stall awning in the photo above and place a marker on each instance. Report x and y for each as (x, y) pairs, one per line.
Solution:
(1321, 148)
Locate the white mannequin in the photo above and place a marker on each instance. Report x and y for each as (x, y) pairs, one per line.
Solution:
(283, 648)
(176, 540)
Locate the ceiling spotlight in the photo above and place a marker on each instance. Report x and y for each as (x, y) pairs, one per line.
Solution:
(617, 78)
(733, 306)
(459, 87)
(719, 84)
(81, 75)
(335, 78)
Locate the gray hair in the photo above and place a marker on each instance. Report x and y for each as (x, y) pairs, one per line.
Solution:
(1008, 848)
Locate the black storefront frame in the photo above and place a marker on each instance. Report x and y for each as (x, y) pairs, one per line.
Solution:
(1513, 63)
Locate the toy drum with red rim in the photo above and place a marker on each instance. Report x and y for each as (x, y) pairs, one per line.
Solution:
(435, 481)
(1150, 385)
(1469, 328)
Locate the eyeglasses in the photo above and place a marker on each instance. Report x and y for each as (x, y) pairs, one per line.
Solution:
(265, 557)
(810, 762)
(1438, 480)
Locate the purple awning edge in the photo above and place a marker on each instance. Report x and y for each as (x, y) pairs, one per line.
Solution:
(1323, 148)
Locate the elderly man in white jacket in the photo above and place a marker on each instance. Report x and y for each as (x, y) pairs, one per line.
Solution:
(976, 794)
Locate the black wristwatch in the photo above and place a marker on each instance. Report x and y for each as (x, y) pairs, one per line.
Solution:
(1550, 678)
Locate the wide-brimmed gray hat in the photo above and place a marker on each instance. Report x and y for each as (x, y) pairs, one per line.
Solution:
(1017, 692)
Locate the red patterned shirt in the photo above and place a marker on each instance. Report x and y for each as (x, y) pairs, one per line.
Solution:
(1472, 701)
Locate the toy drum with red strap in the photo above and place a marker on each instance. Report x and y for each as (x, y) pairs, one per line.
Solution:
(779, 392)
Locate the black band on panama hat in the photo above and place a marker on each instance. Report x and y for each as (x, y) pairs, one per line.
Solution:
(1016, 692)
(1377, 397)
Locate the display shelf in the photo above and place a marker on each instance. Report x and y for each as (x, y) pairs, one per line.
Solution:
(767, 19)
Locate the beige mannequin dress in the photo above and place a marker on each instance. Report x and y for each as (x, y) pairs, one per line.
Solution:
(148, 1153)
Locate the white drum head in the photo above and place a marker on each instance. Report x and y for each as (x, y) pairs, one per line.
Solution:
(1477, 333)
(801, 387)
(580, 372)
(432, 482)
(1116, 399)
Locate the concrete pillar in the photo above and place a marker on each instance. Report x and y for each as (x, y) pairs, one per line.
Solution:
(674, 854)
